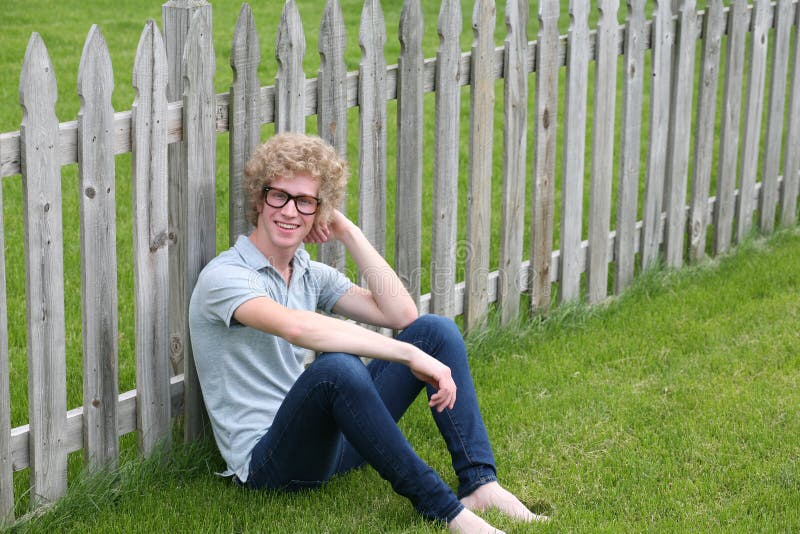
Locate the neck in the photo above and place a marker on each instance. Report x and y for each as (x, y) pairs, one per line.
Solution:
(281, 259)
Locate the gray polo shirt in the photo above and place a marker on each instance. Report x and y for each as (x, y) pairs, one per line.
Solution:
(246, 373)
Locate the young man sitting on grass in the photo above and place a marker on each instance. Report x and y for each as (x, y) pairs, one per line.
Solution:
(256, 309)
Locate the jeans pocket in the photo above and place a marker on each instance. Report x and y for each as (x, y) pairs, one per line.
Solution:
(301, 485)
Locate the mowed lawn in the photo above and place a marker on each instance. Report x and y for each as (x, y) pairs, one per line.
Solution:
(672, 409)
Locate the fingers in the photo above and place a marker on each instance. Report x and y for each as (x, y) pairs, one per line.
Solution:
(444, 398)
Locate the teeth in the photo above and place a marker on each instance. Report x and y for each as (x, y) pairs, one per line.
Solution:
(288, 226)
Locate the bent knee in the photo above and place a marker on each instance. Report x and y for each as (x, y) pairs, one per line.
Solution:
(338, 366)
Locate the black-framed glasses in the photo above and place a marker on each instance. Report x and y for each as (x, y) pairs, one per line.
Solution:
(277, 198)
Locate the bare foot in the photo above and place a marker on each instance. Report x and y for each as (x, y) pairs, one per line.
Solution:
(493, 495)
(468, 523)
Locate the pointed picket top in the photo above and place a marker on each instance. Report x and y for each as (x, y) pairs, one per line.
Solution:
(198, 52)
(372, 30)
(245, 121)
(38, 90)
(332, 86)
(411, 26)
(449, 24)
(333, 35)
(290, 48)
(246, 49)
(149, 51)
(95, 64)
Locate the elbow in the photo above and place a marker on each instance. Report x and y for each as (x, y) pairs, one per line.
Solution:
(408, 316)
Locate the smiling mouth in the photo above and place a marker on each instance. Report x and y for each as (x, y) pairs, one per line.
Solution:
(287, 226)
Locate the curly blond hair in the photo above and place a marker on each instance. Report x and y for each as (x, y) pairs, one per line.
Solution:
(287, 154)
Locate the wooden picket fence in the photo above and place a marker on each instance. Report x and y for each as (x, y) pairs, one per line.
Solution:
(171, 132)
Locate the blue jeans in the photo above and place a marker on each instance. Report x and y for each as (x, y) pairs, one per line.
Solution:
(340, 414)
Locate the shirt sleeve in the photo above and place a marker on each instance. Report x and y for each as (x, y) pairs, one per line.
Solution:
(223, 288)
(331, 285)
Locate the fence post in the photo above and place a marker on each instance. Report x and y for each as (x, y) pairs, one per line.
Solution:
(332, 104)
(605, 94)
(630, 146)
(445, 160)
(6, 467)
(150, 240)
(98, 253)
(372, 125)
(176, 16)
(290, 82)
(479, 208)
(244, 122)
(515, 97)
(544, 157)
(44, 269)
(791, 161)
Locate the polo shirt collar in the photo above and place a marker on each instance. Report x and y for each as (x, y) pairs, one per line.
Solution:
(255, 259)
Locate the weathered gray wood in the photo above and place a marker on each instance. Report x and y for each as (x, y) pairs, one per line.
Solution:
(200, 135)
(445, 160)
(791, 158)
(630, 146)
(680, 135)
(73, 433)
(574, 151)
(6, 465)
(290, 47)
(479, 199)
(176, 16)
(515, 91)
(410, 108)
(44, 270)
(150, 239)
(752, 120)
(713, 26)
(372, 125)
(777, 99)
(663, 37)
(98, 253)
(602, 152)
(332, 103)
(724, 207)
(244, 126)
(544, 158)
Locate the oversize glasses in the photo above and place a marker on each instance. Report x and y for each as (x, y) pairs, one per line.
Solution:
(277, 198)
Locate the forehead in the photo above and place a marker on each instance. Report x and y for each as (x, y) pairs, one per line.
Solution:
(299, 184)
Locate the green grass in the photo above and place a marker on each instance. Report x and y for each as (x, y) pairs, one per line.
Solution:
(671, 409)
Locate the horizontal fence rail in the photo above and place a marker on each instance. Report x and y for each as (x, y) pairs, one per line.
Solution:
(677, 190)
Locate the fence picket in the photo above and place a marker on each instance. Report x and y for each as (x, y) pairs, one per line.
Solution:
(679, 135)
(177, 16)
(630, 146)
(150, 239)
(791, 157)
(724, 207)
(6, 464)
(290, 83)
(602, 152)
(332, 103)
(663, 37)
(515, 97)
(410, 108)
(372, 125)
(44, 267)
(244, 117)
(479, 200)
(98, 253)
(777, 98)
(544, 168)
(713, 24)
(571, 260)
(199, 132)
(752, 120)
(445, 160)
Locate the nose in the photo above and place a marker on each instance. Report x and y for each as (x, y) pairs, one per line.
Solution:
(290, 208)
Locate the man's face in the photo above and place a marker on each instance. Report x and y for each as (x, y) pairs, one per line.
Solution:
(286, 227)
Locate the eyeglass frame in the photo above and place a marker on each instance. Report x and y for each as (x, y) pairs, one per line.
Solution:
(289, 197)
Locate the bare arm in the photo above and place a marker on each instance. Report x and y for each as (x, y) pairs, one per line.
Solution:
(385, 301)
(327, 334)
